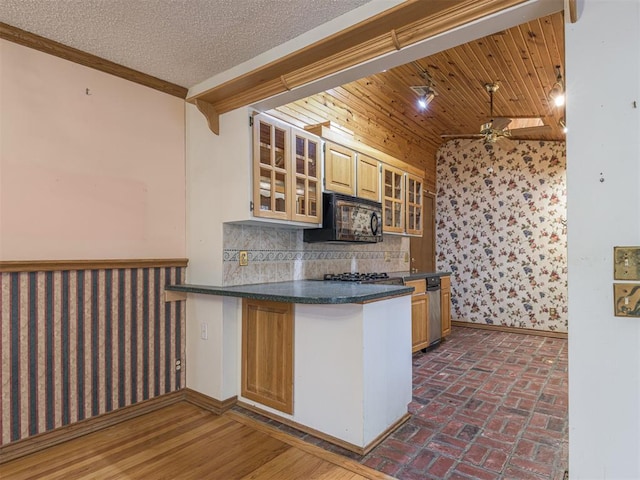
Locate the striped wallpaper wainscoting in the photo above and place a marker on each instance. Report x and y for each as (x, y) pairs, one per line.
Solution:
(80, 343)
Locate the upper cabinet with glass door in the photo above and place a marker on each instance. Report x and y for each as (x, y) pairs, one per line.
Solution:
(393, 213)
(285, 172)
(306, 177)
(271, 153)
(413, 205)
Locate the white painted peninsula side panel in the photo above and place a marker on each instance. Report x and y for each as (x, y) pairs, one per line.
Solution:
(328, 376)
(353, 367)
(387, 364)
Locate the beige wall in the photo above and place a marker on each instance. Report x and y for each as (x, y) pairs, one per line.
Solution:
(87, 174)
(91, 167)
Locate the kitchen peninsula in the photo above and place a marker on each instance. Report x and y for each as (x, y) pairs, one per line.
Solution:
(330, 359)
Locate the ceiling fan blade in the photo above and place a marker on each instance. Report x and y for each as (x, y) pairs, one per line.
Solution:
(531, 130)
(500, 123)
(462, 135)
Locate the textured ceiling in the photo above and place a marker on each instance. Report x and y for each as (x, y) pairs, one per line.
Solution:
(180, 41)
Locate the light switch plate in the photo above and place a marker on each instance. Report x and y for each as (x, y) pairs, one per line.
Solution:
(626, 263)
(626, 299)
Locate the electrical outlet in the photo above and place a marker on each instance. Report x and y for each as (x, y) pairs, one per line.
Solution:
(406, 257)
(178, 364)
(387, 257)
(243, 258)
(552, 312)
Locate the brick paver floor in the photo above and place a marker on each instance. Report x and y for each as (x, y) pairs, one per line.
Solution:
(486, 405)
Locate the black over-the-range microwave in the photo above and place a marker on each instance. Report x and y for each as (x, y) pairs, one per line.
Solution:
(347, 219)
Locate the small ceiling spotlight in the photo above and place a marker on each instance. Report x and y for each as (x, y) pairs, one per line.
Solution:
(563, 124)
(556, 94)
(426, 98)
(426, 92)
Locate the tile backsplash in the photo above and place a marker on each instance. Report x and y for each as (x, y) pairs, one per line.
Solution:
(279, 254)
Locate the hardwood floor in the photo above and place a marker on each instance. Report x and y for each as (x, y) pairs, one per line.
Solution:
(183, 441)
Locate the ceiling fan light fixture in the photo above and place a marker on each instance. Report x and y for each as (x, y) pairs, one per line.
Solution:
(486, 128)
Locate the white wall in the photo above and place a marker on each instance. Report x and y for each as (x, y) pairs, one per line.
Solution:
(602, 66)
(218, 190)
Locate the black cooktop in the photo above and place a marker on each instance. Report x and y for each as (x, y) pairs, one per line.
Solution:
(355, 277)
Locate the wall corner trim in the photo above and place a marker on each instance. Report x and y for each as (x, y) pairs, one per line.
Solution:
(208, 403)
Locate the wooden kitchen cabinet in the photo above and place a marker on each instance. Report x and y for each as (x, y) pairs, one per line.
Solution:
(393, 199)
(445, 305)
(419, 315)
(368, 181)
(413, 205)
(378, 176)
(286, 173)
(267, 353)
(339, 169)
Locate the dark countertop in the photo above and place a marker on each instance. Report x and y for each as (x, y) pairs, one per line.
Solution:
(418, 275)
(302, 291)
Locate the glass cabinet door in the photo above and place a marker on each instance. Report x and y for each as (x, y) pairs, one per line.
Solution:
(306, 177)
(393, 199)
(287, 168)
(271, 178)
(414, 205)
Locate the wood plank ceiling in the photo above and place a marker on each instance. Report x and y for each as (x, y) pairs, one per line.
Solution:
(382, 111)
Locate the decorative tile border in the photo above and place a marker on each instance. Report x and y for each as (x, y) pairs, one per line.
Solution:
(231, 255)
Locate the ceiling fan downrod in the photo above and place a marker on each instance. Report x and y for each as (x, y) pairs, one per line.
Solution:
(491, 89)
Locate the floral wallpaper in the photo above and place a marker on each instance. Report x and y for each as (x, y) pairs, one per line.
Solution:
(501, 231)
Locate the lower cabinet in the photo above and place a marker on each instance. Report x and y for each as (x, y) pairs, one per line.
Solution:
(445, 305)
(419, 315)
(267, 353)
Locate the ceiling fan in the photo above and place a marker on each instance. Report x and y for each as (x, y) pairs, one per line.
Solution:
(498, 127)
